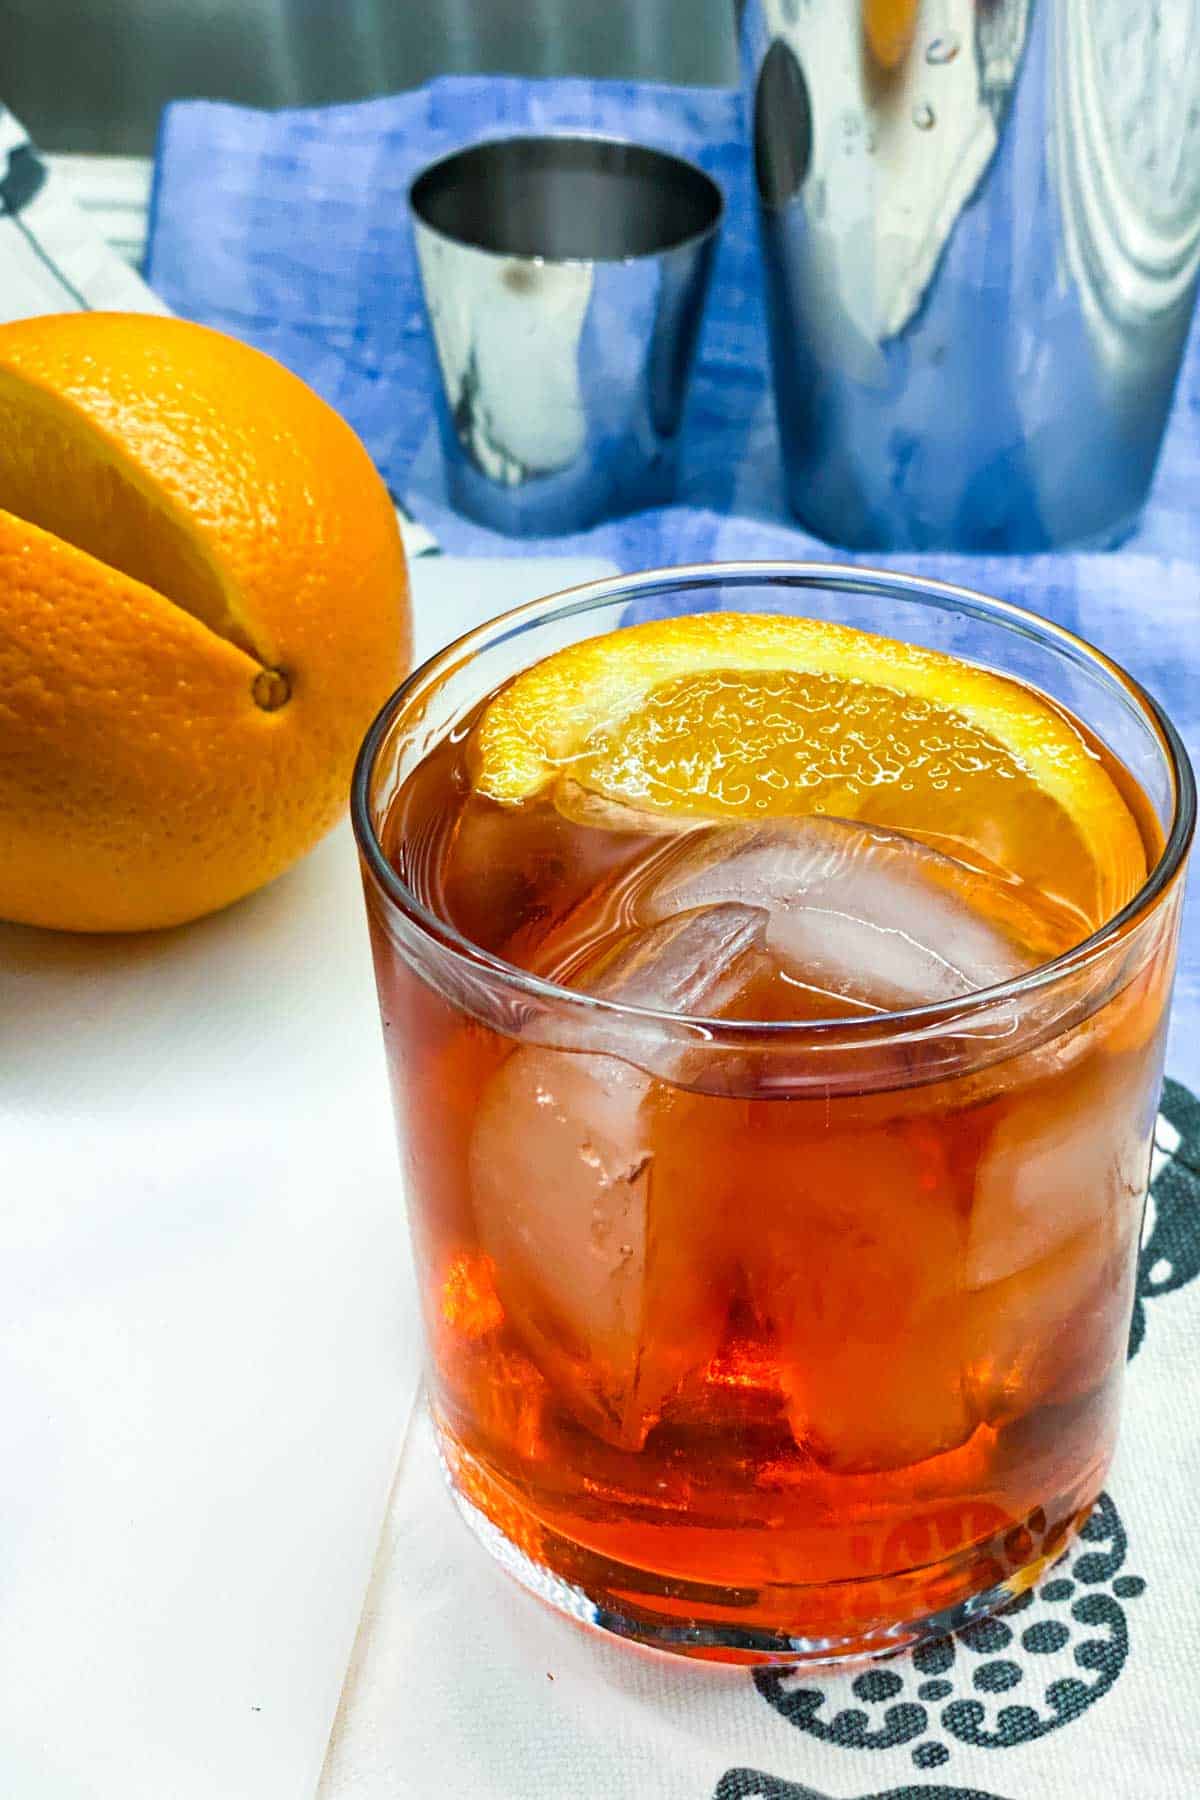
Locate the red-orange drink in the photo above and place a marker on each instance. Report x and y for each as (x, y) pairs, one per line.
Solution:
(799, 1331)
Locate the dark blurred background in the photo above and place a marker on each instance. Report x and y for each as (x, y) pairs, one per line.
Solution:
(94, 74)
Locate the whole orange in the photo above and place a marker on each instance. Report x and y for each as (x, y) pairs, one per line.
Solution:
(203, 600)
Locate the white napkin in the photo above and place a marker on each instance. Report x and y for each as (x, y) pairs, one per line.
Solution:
(209, 1344)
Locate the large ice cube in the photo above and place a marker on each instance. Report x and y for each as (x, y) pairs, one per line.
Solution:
(695, 962)
(855, 1260)
(1054, 1331)
(1067, 1153)
(862, 912)
(582, 1168)
(1059, 1192)
(511, 875)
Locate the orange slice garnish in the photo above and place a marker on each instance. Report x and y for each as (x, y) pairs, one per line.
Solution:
(750, 716)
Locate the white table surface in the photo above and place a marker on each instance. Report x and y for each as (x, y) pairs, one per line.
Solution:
(209, 1352)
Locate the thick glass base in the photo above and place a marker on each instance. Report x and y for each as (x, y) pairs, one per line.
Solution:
(775, 1624)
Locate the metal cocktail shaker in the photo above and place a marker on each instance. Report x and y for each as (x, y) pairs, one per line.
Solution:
(981, 232)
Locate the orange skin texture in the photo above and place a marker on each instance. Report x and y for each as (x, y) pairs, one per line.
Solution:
(152, 470)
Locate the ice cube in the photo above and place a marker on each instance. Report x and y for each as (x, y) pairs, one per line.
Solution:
(607, 1260)
(696, 964)
(1053, 1331)
(861, 912)
(855, 1261)
(1069, 1153)
(511, 873)
(1059, 1192)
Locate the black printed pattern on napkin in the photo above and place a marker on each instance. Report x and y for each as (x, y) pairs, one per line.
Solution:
(748, 1784)
(1170, 1253)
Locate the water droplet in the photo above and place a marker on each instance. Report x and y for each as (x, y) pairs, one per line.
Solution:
(924, 117)
(943, 49)
(852, 126)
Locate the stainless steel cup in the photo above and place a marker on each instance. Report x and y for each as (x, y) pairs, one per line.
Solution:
(981, 230)
(564, 279)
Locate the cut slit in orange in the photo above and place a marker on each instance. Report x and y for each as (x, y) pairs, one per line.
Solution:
(202, 601)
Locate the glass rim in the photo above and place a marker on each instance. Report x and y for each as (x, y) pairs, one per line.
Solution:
(844, 577)
(496, 140)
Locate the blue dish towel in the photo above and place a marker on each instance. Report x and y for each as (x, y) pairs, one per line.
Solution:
(291, 230)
